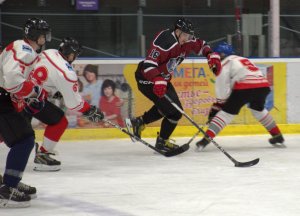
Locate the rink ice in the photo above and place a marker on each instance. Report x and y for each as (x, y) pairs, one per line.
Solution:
(121, 178)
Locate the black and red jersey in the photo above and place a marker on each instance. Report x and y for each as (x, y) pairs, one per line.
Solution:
(165, 54)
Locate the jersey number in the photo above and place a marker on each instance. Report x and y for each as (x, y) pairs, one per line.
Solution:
(249, 65)
(40, 74)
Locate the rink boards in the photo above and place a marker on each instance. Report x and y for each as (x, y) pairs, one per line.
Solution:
(283, 74)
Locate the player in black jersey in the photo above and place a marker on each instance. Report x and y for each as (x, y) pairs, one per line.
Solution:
(168, 49)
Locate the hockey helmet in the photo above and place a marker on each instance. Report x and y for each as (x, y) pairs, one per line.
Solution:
(35, 27)
(224, 48)
(185, 25)
(69, 45)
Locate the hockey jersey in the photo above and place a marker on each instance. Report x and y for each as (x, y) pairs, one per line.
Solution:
(238, 73)
(56, 74)
(16, 62)
(165, 54)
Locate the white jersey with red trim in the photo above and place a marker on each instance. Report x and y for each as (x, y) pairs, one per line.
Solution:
(17, 61)
(238, 73)
(56, 74)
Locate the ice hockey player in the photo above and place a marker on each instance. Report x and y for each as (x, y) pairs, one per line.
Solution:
(240, 82)
(153, 75)
(55, 73)
(17, 60)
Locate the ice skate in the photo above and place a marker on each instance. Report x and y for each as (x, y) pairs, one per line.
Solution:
(137, 126)
(165, 145)
(277, 141)
(28, 190)
(200, 145)
(44, 162)
(13, 198)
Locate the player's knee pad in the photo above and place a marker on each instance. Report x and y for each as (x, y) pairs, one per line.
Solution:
(50, 114)
(25, 145)
(14, 128)
(258, 114)
(174, 117)
(226, 117)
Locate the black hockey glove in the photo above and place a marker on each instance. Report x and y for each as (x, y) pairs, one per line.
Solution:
(215, 108)
(57, 96)
(93, 114)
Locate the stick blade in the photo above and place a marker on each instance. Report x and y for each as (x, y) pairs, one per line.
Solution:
(177, 151)
(247, 164)
(129, 128)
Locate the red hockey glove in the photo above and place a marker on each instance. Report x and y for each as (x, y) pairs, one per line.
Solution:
(214, 62)
(17, 102)
(160, 86)
(215, 108)
(36, 102)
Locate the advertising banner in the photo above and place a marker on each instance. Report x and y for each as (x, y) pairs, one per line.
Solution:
(194, 83)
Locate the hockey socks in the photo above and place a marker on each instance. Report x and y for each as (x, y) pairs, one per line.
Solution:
(266, 120)
(16, 161)
(167, 128)
(152, 115)
(218, 123)
(53, 133)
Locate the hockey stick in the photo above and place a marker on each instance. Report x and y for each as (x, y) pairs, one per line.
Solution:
(171, 153)
(129, 126)
(236, 163)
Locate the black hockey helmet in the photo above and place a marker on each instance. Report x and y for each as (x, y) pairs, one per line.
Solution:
(69, 45)
(184, 25)
(35, 27)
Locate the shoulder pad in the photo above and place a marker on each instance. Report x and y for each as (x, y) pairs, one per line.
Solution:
(62, 66)
(22, 46)
(165, 40)
(23, 52)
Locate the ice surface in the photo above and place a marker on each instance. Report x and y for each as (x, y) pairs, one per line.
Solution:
(121, 178)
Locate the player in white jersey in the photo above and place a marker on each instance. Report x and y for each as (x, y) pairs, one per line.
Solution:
(55, 73)
(239, 82)
(17, 60)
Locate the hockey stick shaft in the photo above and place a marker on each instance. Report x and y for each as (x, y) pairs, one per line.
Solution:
(180, 150)
(236, 163)
(128, 125)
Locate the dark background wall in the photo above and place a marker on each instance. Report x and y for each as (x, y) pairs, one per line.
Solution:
(112, 30)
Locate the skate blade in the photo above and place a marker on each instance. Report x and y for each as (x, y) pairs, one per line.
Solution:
(32, 196)
(13, 204)
(280, 145)
(199, 149)
(45, 168)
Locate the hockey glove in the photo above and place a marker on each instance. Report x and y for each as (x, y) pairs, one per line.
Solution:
(36, 102)
(214, 63)
(215, 108)
(57, 96)
(17, 102)
(93, 114)
(160, 86)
